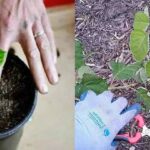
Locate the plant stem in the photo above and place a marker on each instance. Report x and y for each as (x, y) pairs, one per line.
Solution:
(122, 87)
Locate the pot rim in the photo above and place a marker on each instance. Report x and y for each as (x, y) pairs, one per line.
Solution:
(13, 130)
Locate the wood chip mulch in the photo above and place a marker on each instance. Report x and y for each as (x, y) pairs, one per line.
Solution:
(104, 27)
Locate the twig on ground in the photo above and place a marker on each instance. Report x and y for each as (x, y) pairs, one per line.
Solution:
(122, 87)
(90, 65)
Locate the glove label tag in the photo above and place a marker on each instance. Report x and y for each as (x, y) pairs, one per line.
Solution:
(96, 119)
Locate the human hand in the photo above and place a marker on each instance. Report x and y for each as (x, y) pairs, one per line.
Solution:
(27, 22)
(98, 120)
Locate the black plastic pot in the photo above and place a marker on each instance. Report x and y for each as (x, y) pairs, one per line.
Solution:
(9, 139)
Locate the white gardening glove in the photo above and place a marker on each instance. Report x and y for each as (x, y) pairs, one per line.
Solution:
(98, 120)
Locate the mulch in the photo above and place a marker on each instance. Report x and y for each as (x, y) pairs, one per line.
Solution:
(104, 27)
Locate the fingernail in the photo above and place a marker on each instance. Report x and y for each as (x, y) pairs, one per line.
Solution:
(55, 79)
(54, 76)
(44, 88)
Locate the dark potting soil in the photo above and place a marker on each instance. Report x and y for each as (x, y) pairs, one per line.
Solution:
(16, 93)
(104, 27)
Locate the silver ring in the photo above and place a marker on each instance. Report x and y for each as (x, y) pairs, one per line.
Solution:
(39, 34)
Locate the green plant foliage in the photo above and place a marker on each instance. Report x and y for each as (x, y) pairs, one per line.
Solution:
(84, 69)
(140, 70)
(91, 82)
(139, 44)
(124, 72)
(141, 76)
(2, 56)
(141, 21)
(147, 66)
(139, 38)
(79, 59)
(143, 96)
(78, 90)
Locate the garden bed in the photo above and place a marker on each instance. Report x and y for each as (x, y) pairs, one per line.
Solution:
(104, 28)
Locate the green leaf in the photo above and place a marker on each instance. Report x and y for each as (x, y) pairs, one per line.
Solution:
(2, 56)
(79, 59)
(78, 90)
(117, 67)
(143, 75)
(137, 77)
(147, 67)
(84, 69)
(124, 72)
(141, 21)
(139, 44)
(143, 96)
(91, 82)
